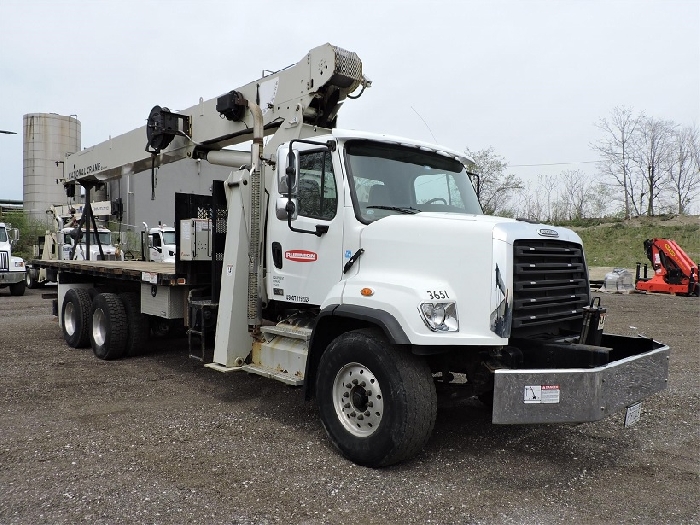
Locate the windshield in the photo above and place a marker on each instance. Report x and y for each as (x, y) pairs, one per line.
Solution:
(3, 235)
(168, 237)
(388, 179)
(105, 238)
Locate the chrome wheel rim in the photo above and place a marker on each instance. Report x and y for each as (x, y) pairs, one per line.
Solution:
(99, 330)
(358, 400)
(69, 318)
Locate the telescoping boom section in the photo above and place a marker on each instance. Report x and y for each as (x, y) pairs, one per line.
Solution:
(292, 103)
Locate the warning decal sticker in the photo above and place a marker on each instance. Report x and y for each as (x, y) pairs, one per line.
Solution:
(541, 394)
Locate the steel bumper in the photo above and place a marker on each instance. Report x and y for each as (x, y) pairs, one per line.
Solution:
(579, 395)
(11, 277)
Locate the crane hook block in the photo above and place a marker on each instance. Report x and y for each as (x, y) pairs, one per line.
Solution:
(232, 106)
(162, 126)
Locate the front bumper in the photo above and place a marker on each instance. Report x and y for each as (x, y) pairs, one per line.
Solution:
(11, 277)
(639, 369)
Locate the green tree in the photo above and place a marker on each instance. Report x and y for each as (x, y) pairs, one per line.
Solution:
(497, 187)
(29, 231)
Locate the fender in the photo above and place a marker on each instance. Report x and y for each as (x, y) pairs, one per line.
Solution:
(335, 319)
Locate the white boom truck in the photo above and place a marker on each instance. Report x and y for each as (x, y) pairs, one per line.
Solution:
(68, 240)
(11, 267)
(357, 265)
(160, 243)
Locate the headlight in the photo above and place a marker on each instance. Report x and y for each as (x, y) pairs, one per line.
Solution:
(440, 317)
(19, 264)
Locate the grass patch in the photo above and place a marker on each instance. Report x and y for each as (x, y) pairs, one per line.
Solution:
(621, 244)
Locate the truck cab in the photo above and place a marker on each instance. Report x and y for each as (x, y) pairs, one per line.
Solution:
(11, 267)
(161, 244)
(74, 246)
(402, 219)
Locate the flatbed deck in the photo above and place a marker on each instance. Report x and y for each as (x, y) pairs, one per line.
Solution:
(143, 271)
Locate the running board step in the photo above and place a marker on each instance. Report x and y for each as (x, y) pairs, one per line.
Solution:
(284, 377)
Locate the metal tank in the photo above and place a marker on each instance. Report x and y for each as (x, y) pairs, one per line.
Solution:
(48, 137)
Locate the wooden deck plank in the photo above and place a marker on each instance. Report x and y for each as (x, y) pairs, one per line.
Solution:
(128, 270)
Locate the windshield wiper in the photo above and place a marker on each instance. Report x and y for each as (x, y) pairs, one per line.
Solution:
(401, 209)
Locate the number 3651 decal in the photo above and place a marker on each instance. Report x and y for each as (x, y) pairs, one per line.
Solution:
(437, 294)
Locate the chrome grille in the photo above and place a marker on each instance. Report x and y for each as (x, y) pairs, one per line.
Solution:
(4, 262)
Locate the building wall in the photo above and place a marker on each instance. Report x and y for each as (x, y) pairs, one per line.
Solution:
(185, 176)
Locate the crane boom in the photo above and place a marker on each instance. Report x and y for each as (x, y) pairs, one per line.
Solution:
(305, 95)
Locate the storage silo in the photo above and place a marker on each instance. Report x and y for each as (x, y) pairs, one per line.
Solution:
(47, 139)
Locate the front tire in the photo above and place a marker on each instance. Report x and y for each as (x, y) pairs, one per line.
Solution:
(75, 317)
(377, 403)
(17, 289)
(108, 335)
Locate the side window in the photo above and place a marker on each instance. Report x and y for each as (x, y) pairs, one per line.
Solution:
(317, 194)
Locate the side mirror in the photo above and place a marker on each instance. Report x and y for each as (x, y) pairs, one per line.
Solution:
(282, 207)
(288, 180)
(291, 170)
(14, 236)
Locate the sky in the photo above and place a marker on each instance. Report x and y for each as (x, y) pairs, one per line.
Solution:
(526, 77)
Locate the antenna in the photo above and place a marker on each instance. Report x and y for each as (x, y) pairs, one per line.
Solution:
(426, 124)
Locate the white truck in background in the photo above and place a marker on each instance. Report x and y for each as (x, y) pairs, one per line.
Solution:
(359, 266)
(11, 266)
(160, 245)
(67, 240)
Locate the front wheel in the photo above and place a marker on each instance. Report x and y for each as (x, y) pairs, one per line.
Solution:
(377, 403)
(17, 289)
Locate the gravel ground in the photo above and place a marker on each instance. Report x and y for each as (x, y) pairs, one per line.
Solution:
(156, 439)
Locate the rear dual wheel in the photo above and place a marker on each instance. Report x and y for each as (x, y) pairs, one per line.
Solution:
(108, 334)
(138, 326)
(112, 324)
(75, 317)
(32, 281)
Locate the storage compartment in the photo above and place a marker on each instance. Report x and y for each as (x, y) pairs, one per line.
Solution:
(169, 302)
(195, 240)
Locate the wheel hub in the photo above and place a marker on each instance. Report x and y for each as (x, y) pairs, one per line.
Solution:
(358, 400)
(99, 330)
(69, 323)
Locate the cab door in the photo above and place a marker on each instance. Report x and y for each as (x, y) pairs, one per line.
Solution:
(155, 247)
(303, 267)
